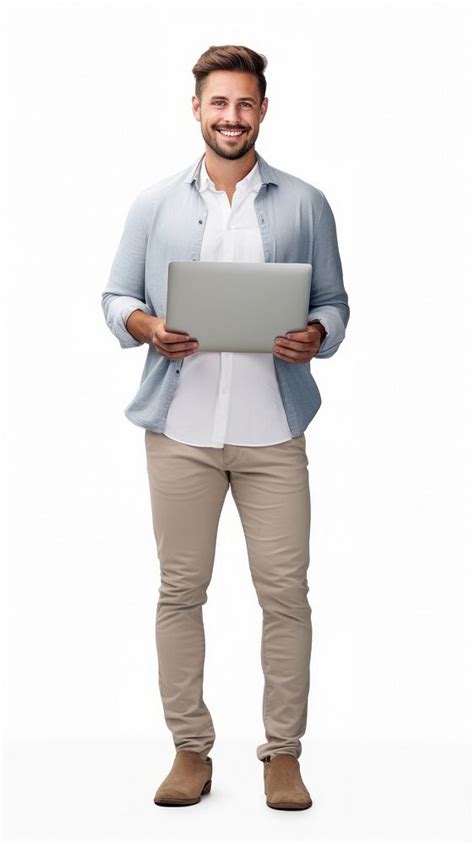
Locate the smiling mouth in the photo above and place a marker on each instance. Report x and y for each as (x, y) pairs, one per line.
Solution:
(230, 133)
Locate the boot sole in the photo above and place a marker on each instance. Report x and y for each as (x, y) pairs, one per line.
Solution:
(292, 806)
(183, 802)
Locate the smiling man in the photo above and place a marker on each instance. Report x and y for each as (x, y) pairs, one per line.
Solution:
(215, 420)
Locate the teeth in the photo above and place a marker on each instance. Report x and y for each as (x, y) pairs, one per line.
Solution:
(232, 134)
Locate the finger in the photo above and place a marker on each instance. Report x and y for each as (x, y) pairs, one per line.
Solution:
(175, 355)
(299, 335)
(303, 358)
(294, 344)
(289, 354)
(171, 348)
(307, 335)
(174, 347)
(173, 336)
(182, 341)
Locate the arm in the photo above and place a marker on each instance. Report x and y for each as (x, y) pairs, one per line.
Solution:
(142, 325)
(328, 298)
(125, 291)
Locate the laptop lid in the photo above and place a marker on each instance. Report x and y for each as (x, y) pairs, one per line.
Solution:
(237, 306)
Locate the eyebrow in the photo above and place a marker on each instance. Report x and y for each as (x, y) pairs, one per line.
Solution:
(217, 97)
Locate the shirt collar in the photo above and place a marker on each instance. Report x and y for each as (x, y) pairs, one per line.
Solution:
(252, 181)
(267, 174)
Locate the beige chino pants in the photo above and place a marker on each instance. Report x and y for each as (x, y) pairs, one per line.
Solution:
(270, 486)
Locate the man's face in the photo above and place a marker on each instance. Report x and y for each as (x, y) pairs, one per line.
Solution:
(230, 100)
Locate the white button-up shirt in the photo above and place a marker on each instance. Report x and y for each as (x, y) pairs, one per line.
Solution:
(229, 397)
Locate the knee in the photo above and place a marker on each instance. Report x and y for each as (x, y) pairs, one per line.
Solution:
(283, 596)
(182, 595)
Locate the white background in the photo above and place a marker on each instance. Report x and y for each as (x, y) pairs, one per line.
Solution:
(371, 103)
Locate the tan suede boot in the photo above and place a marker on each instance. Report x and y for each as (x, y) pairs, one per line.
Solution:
(189, 777)
(284, 787)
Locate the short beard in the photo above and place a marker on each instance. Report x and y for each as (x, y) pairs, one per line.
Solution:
(230, 154)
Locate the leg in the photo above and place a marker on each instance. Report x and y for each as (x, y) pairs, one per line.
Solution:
(271, 489)
(188, 489)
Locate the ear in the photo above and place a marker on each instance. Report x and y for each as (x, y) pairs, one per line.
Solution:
(196, 108)
(263, 108)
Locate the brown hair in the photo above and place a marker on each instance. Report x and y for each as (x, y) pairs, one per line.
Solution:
(230, 57)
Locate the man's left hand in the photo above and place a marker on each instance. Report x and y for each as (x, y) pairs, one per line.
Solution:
(299, 346)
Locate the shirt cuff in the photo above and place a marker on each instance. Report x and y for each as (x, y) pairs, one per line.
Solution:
(117, 310)
(330, 318)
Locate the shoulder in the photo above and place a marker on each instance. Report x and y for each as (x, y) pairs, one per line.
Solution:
(157, 190)
(150, 197)
(303, 190)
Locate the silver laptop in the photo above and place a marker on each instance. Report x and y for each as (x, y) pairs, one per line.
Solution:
(237, 306)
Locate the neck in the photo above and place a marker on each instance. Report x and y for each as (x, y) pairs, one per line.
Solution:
(225, 172)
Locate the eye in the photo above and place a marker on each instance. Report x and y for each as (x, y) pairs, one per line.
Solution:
(219, 102)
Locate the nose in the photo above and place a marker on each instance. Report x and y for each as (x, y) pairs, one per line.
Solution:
(231, 116)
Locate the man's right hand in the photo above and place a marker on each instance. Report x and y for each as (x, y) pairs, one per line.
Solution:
(170, 344)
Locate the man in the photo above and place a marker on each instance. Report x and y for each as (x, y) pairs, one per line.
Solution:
(214, 420)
